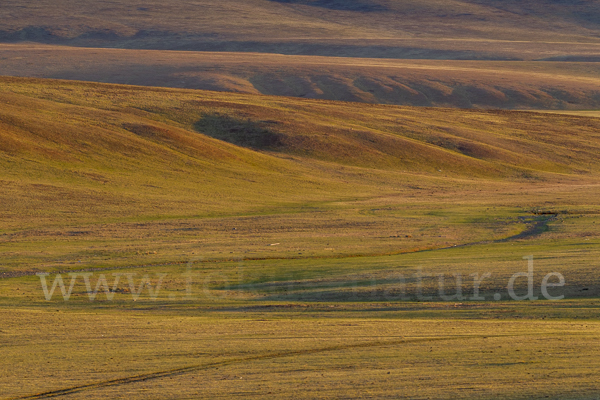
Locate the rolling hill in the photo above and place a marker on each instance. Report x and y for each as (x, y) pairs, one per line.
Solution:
(109, 164)
(327, 27)
(445, 83)
(246, 236)
(226, 242)
(459, 53)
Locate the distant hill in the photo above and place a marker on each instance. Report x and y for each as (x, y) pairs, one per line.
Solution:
(464, 84)
(460, 29)
(558, 43)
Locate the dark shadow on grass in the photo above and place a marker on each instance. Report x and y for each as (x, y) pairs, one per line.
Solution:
(341, 5)
(242, 132)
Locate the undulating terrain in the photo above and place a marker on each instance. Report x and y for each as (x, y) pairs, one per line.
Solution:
(308, 199)
(367, 28)
(466, 54)
(281, 243)
(465, 84)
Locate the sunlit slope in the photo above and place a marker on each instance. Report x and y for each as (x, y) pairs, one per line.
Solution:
(130, 131)
(464, 84)
(102, 162)
(368, 28)
(111, 174)
(151, 150)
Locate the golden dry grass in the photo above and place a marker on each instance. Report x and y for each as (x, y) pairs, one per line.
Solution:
(97, 165)
(581, 113)
(295, 219)
(141, 354)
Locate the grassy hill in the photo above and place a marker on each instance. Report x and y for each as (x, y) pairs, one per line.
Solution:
(298, 247)
(280, 241)
(94, 156)
(465, 84)
(328, 27)
(539, 55)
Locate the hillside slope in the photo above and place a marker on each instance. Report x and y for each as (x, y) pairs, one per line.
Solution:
(366, 28)
(91, 123)
(232, 45)
(95, 175)
(170, 145)
(465, 84)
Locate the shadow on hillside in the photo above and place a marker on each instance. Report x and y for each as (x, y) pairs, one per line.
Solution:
(241, 132)
(387, 290)
(342, 5)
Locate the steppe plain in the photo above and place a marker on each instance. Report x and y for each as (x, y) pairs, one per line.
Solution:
(278, 219)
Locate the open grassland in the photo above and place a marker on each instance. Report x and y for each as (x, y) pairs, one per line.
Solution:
(165, 171)
(581, 113)
(319, 354)
(465, 84)
(281, 241)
